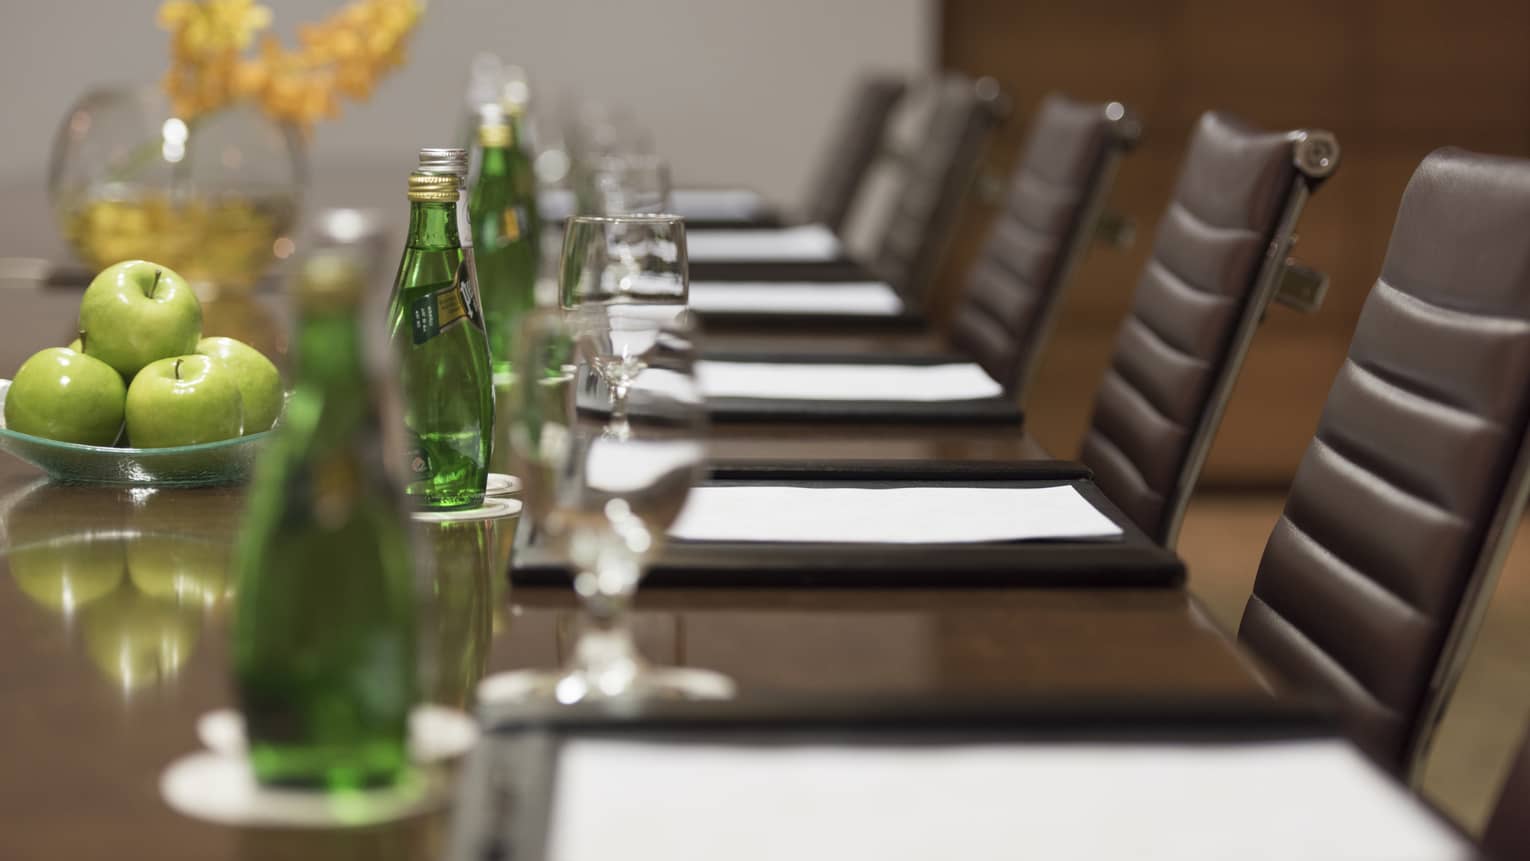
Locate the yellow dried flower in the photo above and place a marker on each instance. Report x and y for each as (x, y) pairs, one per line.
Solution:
(344, 54)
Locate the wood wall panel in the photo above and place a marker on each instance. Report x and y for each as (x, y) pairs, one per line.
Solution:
(1393, 79)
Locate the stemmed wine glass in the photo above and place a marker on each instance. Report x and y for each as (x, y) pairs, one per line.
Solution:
(604, 502)
(635, 268)
(618, 345)
(630, 183)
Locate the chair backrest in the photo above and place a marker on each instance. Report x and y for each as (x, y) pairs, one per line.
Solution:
(1507, 835)
(853, 149)
(1217, 260)
(1382, 562)
(936, 177)
(1056, 194)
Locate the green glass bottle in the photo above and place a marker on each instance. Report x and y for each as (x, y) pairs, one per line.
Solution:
(523, 174)
(325, 625)
(436, 327)
(503, 210)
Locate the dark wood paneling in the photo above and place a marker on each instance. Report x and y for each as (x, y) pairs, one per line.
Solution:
(1393, 79)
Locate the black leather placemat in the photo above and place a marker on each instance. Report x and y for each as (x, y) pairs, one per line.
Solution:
(785, 270)
(752, 321)
(762, 221)
(1000, 409)
(1131, 561)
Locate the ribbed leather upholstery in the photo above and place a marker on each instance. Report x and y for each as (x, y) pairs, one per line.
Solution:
(853, 150)
(1186, 311)
(1017, 278)
(935, 181)
(1507, 836)
(1365, 571)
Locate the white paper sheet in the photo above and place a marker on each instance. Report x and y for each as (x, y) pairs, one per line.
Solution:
(961, 381)
(717, 204)
(1314, 800)
(897, 515)
(861, 298)
(810, 242)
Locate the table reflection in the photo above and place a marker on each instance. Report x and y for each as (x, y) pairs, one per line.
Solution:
(136, 569)
(461, 616)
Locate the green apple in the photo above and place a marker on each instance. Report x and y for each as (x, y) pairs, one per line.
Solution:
(77, 345)
(184, 400)
(137, 312)
(68, 396)
(260, 384)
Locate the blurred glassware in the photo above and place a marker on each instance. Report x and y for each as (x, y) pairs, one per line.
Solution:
(592, 133)
(629, 184)
(628, 259)
(605, 503)
(215, 198)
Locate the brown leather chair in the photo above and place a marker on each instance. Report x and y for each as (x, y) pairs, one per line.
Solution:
(853, 150)
(1218, 260)
(1056, 197)
(1507, 836)
(1378, 571)
(936, 178)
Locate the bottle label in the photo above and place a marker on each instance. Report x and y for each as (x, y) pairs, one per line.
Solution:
(511, 219)
(444, 307)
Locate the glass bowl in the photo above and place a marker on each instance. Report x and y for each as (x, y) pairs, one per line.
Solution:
(226, 461)
(214, 197)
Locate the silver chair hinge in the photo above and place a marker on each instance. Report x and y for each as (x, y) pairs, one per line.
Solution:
(1302, 288)
(1115, 230)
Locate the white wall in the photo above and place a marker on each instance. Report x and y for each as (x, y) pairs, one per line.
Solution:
(736, 91)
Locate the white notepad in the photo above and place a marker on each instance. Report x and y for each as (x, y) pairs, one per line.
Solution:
(860, 298)
(1315, 800)
(717, 204)
(893, 515)
(810, 243)
(830, 381)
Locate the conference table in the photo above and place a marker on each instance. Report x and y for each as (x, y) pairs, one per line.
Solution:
(101, 697)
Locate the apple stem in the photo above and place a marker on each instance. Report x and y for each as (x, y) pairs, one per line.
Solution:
(155, 285)
(178, 368)
(82, 340)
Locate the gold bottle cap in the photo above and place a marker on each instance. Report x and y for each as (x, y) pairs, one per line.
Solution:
(330, 280)
(433, 187)
(494, 136)
(493, 127)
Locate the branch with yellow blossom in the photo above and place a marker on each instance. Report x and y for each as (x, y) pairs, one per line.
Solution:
(345, 54)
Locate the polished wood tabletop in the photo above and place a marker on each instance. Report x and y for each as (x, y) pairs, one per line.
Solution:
(115, 603)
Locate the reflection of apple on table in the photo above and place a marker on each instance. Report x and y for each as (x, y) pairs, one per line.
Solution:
(64, 545)
(183, 545)
(137, 567)
(137, 639)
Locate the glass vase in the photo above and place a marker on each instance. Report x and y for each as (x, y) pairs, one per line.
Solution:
(215, 197)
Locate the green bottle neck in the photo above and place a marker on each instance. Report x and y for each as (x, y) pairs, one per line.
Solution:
(495, 163)
(329, 353)
(433, 225)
